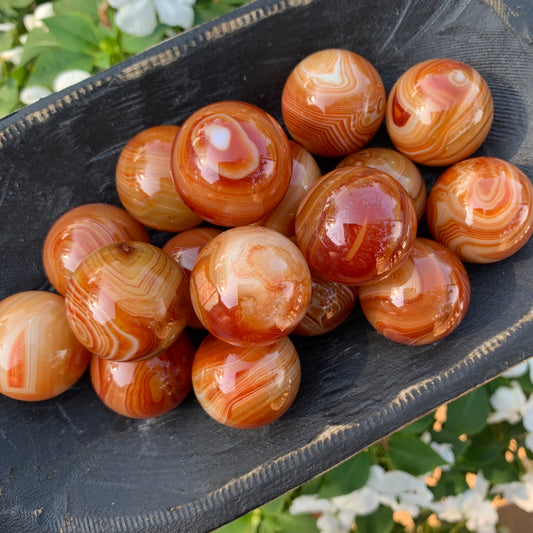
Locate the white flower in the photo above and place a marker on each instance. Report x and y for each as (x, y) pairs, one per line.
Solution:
(311, 503)
(508, 404)
(69, 77)
(7, 26)
(444, 449)
(520, 370)
(29, 95)
(35, 19)
(13, 55)
(139, 17)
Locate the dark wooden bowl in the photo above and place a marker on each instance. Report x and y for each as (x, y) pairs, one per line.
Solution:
(71, 465)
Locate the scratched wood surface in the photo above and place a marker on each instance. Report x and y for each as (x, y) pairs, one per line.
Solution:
(70, 465)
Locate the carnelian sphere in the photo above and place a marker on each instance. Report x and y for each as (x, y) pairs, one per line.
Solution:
(305, 171)
(355, 224)
(246, 387)
(184, 249)
(144, 182)
(250, 286)
(439, 112)
(482, 209)
(231, 163)
(331, 304)
(423, 300)
(39, 355)
(396, 165)
(128, 301)
(333, 102)
(148, 388)
(81, 231)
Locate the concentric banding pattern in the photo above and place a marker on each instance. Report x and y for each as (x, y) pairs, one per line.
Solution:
(423, 300)
(250, 286)
(439, 112)
(231, 163)
(355, 224)
(148, 388)
(482, 209)
(144, 182)
(128, 301)
(246, 387)
(333, 102)
(396, 165)
(39, 355)
(81, 231)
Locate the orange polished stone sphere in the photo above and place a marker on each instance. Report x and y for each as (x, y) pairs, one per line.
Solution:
(396, 165)
(482, 209)
(305, 171)
(128, 301)
(246, 387)
(423, 300)
(439, 112)
(250, 286)
(333, 102)
(231, 163)
(81, 231)
(39, 355)
(144, 182)
(148, 388)
(355, 224)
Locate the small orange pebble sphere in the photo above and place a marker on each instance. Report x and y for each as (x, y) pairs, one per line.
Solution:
(40, 357)
(439, 112)
(144, 182)
(333, 102)
(246, 387)
(231, 162)
(481, 209)
(147, 388)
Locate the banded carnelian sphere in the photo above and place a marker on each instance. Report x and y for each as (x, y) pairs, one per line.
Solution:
(231, 163)
(355, 225)
(482, 209)
(333, 102)
(39, 355)
(396, 165)
(148, 388)
(250, 286)
(128, 301)
(246, 387)
(81, 231)
(423, 300)
(439, 112)
(144, 182)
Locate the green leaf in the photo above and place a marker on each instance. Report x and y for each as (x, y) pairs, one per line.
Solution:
(407, 452)
(483, 450)
(380, 520)
(76, 32)
(39, 42)
(133, 45)
(8, 96)
(6, 40)
(469, 413)
(241, 525)
(295, 524)
(20, 4)
(451, 482)
(275, 506)
(87, 7)
(347, 477)
(422, 424)
(313, 486)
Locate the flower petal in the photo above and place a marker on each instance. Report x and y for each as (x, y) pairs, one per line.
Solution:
(7, 26)
(137, 17)
(13, 55)
(69, 77)
(508, 403)
(311, 503)
(29, 95)
(362, 501)
(516, 371)
(175, 13)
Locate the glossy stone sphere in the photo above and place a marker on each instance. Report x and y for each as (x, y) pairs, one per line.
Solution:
(439, 112)
(305, 171)
(39, 355)
(482, 209)
(148, 388)
(231, 163)
(250, 286)
(128, 301)
(423, 300)
(331, 304)
(396, 165)
(355, 224)
(184, 249)
(333, 102)
(144, 182)
(246, 387)
(81, 231)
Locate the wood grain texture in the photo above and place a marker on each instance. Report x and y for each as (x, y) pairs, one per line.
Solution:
(70, 464)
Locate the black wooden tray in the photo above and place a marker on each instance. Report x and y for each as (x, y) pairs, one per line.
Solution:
(71, 465)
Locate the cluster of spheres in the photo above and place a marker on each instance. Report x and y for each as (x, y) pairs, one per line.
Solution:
(267, 246)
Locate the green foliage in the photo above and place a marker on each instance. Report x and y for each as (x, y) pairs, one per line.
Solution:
(381, 520)
(468, 414)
